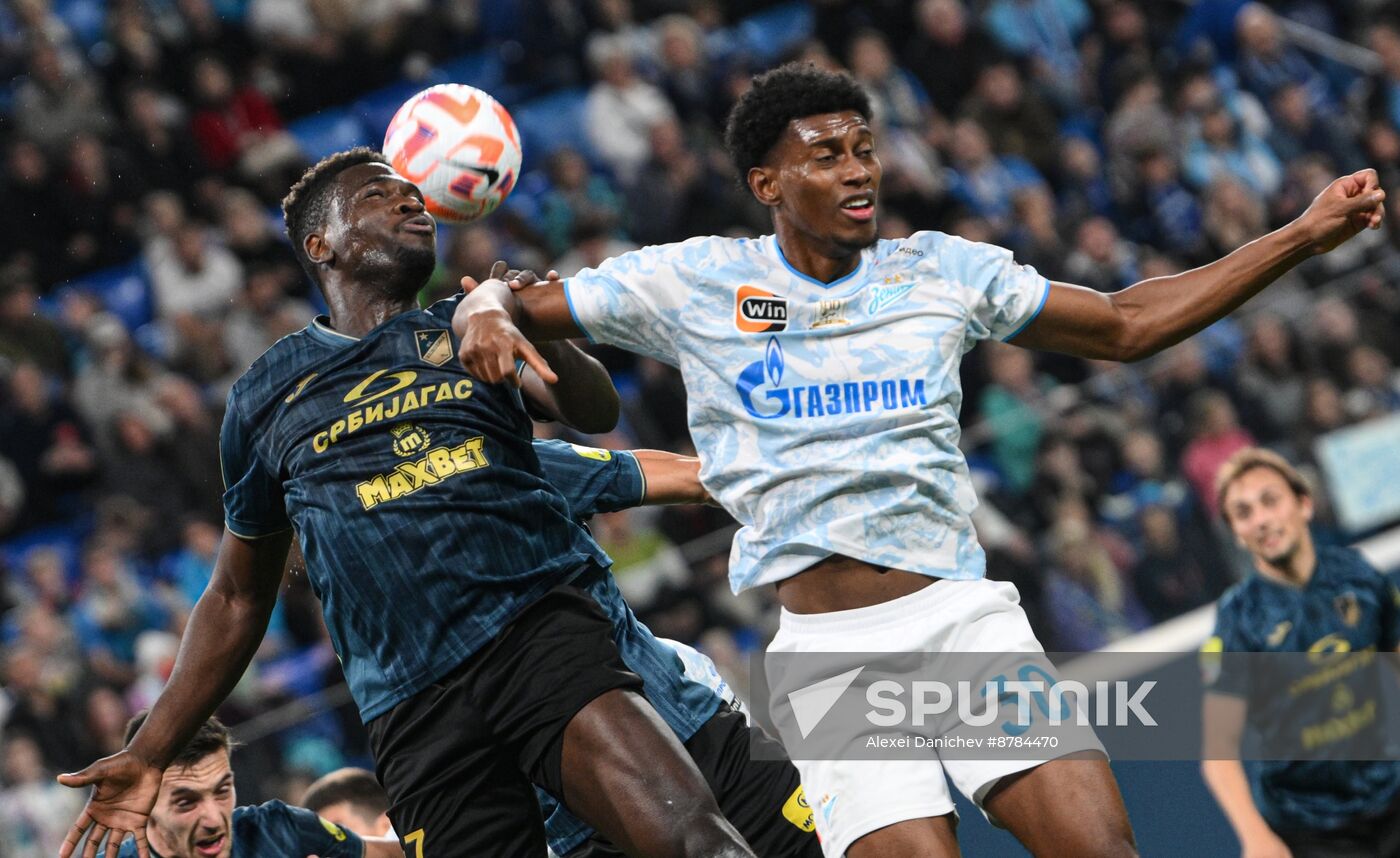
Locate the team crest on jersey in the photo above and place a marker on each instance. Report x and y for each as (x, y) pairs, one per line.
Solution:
(757, 311)
(893, 289)
(409, 439)
(434, 346)
(1348, 609)
(831, 313)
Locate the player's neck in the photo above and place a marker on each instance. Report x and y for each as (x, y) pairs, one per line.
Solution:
(815, 262)
(1296, 570)
(355, 311)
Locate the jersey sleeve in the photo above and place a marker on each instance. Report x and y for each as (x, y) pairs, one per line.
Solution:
(253, 503)
(632, 301)
(304, 833)
(1223, 668)
(1003, 296)
(592, 480)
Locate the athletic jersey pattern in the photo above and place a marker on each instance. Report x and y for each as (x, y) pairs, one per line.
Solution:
(826, 415)
(425, 520)
(1346, 607)
(594, 481)
(276, 830)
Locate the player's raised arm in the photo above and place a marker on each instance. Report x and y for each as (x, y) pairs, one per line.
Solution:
(496, 325)
(223, 633)
(1147, 317)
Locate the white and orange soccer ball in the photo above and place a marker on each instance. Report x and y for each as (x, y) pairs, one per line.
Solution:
(459, 146)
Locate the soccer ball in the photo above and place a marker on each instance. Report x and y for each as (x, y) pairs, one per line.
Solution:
(459, 146)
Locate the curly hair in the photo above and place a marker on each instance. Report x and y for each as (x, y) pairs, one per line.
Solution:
(307, 205)
(788, 92)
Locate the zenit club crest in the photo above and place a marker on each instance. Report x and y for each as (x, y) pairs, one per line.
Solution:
(434, 346)
(409, 439)
(1348, 609)
(757, 311)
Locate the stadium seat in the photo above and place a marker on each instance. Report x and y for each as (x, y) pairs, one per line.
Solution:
(123, 289)
(550, 122)
(772, 33)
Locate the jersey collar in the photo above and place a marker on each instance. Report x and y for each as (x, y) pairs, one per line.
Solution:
(777, 251)
(320, 329)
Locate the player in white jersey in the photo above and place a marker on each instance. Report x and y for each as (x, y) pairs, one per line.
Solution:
(821, 367)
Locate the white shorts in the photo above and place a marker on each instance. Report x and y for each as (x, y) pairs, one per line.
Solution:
(851, 798)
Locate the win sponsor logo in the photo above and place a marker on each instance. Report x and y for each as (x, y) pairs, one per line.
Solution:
(757, 311)
(761, 390)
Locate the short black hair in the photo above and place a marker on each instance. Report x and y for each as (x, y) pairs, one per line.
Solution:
(211, 738)
(307, 205)
(788, 92)
(356, 787)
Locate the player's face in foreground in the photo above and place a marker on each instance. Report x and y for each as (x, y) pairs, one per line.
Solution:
(1267, 517)
(827, 178)
(193, 816)
(379, 229)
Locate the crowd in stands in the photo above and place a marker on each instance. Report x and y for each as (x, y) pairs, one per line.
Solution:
(1103, 141)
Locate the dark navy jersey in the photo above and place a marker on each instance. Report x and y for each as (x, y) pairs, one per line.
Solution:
(595, 481)
(1321, 702)
(592, 480)
(275, 830)
(425, 520)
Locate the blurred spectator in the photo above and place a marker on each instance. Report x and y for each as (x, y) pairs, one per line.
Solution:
(105, 721)
(1384, 38)
(1233, 216)
(118, 377)
(191, 274)
(1083, 189)
(58, 100)
(1034, 237)
(621, 109)
(113, 610)
(685, 75)
(574, 192)
(1011, 408)
(1173, 219)
(26, 334)
(1143, 482)
(1271, 378)
(1299, 129)
(1089, 601)
(41, 709)
(679, 193)
(1127, 49)
(1218, 435)
(896, 98)
(236, 127)
(102, 194)
(50, 445)
(1267, 64)
(193, 443)
(1170, 577)
(1015, 124)
(593, 242)
(1222, 148)
(33, 231)
(982, 181)
(1374, 387)
(1046, 34)
(35, 810)
(1101, 259)
(946, 52)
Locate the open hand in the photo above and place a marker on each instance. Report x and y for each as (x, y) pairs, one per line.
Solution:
(124, 791)
(1344, 208)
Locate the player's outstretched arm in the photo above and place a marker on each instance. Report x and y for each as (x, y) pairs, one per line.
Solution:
(1223, 720)
(223, 632)
(1147, 317)
(670, 478)
(496, 325)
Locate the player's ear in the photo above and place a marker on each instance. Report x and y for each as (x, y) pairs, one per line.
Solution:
(1306, 503)
(763, 182)
(318, 250)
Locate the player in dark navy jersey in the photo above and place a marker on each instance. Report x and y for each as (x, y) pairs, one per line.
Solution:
(1336, 611)
(195, 817)
(456, 586)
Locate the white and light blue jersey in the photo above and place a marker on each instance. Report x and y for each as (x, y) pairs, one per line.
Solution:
(825, 414)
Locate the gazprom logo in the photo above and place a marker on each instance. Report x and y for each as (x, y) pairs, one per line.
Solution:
(762, 394)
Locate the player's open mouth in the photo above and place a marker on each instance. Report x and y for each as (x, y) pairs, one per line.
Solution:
(209, 846)
(859, 208)
(419, 224)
